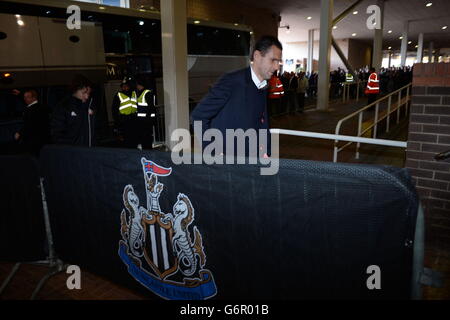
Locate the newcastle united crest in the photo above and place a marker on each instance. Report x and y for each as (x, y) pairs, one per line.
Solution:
(163, 251)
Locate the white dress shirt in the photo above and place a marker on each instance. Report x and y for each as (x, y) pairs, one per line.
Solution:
(258, 84)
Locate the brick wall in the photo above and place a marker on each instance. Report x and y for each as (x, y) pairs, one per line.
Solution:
(263, 21)
(429, 134)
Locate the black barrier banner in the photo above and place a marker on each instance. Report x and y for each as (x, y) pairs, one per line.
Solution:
(22, 230)
(314, 230)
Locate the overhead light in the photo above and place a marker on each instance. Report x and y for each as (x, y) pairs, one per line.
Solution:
(401, 37)
(141, 23)
(236, 24)
(389, 48)
(7, 75)
(355, 12)
(251, 32)
(353, 34)
(429, 4)
(390, 31)
(308, 18)
(48, 12)
(335, 27)
(18, 15)
(102, 8)
(197, 21)
(20, 23)
(409, 42)
(444, 27)
(416, 46)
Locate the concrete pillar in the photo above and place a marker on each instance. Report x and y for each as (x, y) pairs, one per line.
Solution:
(310, 63)
(404, 48)
(377, 56)
(326, 19)
(430, 52)
(420, 48)
(175, 73)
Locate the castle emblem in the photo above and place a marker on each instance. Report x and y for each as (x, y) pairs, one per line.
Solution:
(163, 251)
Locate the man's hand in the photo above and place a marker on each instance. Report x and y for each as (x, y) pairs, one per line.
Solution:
(15, 92)
(16, 136)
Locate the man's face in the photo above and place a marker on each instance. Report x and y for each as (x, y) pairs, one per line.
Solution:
(28, 98)
(125, 87)
(82, 94)
(266, 65)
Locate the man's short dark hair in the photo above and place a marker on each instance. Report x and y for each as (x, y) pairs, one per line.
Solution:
(79, 82)
(264, 44)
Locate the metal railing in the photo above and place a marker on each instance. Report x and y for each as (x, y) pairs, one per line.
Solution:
(329, 136)
(159, 130)
(346, 89)
(376, 120)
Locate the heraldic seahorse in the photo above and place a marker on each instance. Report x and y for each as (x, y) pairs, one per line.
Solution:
(183, 215)
(136, 231)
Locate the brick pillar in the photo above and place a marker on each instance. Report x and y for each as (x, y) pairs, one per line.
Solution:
(429, 134)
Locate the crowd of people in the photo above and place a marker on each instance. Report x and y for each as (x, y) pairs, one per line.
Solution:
(301, 85)
(72, 121)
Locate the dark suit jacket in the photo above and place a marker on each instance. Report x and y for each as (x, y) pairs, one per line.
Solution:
(234, 103)
(35, 132)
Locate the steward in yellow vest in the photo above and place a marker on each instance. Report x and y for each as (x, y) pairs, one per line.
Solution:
(124, 110)
(146, 112)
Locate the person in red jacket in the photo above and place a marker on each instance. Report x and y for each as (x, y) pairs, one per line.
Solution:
(373, 87)
(276, 92)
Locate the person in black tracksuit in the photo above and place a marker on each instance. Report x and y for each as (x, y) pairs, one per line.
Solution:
(73, 118)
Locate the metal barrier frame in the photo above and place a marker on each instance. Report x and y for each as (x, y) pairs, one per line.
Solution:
(346, 89)
(53, 263)
(376, 119)
(328, 136)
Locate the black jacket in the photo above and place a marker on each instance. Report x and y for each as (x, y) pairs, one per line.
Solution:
(35, 131)
(234, 103)
(72, 124)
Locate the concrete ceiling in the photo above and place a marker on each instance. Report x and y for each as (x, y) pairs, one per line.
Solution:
(428, 20)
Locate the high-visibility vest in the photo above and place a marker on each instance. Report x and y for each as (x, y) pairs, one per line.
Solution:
(127, 105)
(142, 104)
(373, 85)
(349, 77)
(276, 89)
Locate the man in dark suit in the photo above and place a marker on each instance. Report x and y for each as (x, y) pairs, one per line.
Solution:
(35, 131)
(239, 99)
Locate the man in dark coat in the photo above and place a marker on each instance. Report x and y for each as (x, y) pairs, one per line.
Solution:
(239, 99)
(35, 131)
(73, 119)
